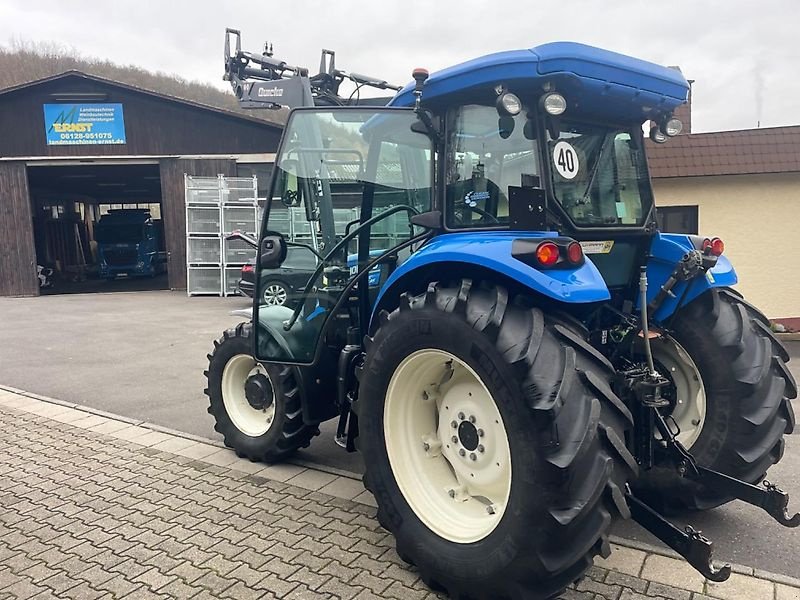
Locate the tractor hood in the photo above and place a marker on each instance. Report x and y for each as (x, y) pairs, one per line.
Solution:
(595, 82)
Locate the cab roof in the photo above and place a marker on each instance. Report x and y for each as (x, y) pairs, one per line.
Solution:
(595, 82)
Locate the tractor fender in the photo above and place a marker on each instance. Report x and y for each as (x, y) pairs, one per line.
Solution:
(666, 250)
(492, 252)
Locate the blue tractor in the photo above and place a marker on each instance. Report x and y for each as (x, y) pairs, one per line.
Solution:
(537, 358)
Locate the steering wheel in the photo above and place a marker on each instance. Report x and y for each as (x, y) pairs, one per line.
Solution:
(484, 214)
(290, 198)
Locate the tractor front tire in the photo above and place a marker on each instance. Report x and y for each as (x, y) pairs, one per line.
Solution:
(747, 391)
(267, 434)
(493, 443)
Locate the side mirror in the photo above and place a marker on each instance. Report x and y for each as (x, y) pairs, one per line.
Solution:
(273, 250)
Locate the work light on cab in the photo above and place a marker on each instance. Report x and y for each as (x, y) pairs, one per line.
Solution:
(547, 254)
(509, 104)
(673, 127)
(656, 135)
(554, 104)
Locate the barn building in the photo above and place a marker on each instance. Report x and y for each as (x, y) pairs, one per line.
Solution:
(76, 146)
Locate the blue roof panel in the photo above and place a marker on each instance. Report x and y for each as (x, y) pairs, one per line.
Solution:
(597, 81)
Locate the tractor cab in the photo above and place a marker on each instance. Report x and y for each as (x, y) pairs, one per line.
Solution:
(496, 320)
(544, 142)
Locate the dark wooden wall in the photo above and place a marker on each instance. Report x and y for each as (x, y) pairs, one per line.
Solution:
(17, 249)
(153, 125)
(173, 207)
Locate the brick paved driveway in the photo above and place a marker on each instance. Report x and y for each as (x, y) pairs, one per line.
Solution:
(93, 507)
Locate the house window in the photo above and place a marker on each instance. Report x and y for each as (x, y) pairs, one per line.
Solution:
(677, 219)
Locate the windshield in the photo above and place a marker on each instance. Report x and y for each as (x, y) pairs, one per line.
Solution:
(487, 155)
(599, 175)
(119, 233)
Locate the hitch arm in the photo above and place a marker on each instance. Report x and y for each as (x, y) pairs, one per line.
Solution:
(772, 499)
(690, 544)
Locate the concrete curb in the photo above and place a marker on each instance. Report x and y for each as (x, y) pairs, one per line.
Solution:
(736, 568)
(302, 473)
(174, 432)
(789, 336)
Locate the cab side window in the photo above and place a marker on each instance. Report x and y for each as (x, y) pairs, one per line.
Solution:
(487, 154)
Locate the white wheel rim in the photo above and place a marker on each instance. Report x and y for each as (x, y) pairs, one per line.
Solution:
(689, 412)
(275, 295)
(460, 492)
(245, 418)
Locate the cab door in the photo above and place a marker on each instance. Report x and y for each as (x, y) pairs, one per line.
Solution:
(346, 183)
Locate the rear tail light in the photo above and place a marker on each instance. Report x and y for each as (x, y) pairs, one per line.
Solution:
(547, 254)
(247, 268)
(713, 246)
(574, 253)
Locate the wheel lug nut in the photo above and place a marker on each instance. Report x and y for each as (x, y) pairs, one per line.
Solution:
(451, 493)
(454, 439)
(480, 432)
(473, 456)
(426, 446)
(461, 416)
(453, 424)
(462, 452)
(490, 510)
(481, 449)
(472, 418)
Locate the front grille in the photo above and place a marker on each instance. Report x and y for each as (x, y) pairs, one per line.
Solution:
(120, 257)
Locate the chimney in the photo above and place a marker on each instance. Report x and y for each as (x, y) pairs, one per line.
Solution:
(684, 111)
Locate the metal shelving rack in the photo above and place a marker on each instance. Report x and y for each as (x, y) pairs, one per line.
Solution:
(216, 206)
(240, 211)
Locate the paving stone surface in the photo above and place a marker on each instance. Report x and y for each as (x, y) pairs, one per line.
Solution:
(92, 510)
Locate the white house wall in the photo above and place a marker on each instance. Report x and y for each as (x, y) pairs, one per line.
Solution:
(758, 218)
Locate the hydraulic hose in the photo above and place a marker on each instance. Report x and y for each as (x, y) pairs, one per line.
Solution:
(645, 327)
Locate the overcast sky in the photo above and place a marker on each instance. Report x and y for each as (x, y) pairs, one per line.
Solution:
(744, 56)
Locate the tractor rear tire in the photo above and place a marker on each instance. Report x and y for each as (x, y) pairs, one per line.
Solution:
(538, 396)
(267, 435)
(748, 389)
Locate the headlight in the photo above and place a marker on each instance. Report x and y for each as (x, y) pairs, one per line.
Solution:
(509, 104)
(673, 127)
(554, 104)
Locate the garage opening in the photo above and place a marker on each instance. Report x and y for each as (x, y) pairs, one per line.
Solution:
(98, 228)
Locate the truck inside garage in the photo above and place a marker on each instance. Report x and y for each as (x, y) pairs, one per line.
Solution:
(98, 228)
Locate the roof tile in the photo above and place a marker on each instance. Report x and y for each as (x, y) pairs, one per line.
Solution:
(768, 150)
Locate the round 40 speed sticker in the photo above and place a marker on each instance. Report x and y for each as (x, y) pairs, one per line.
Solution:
(565, 160)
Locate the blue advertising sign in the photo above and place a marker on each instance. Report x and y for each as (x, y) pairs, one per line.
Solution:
(72, 124)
